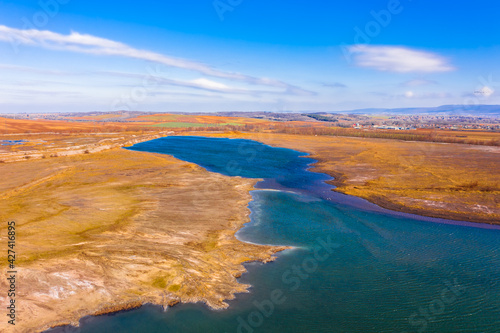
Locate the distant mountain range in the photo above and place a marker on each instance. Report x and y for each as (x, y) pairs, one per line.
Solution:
(462, 110)
(448, 110)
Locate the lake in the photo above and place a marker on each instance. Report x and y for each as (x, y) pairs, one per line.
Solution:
(355, 267)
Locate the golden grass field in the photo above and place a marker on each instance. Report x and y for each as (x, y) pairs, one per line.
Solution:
(453, 181)
(42, 146)
(102, 229)
(116, 229)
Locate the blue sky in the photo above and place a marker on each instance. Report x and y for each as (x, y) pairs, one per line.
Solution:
(225, 55)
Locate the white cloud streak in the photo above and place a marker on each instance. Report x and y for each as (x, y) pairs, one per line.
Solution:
(199, 84)
(425, 95)
(88, 44)
(398, 59)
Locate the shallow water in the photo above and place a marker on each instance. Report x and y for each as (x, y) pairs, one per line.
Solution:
(354, 269)
(11, 142)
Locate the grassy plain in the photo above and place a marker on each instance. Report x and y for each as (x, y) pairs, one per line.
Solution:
(116, 229)
(102, 229)
(453, 181)
(175, 124)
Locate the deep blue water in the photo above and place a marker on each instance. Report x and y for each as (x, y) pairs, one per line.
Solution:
(354, 269)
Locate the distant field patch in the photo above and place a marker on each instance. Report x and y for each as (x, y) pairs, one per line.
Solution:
(166, 117)
(186, 125)
(179, 124)
(98, 117)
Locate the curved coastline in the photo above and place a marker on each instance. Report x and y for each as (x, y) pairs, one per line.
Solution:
(385, 207)
(335, 181)
(373, 203)
(349, 200)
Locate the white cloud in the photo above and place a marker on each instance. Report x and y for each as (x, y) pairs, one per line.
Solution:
(484, 91)
(199, 84)
(424, 95)
(209, 84)
(398, 59)
(16, 68)
(89, 44)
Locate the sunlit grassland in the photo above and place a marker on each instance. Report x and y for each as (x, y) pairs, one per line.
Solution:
(104, 231)
(67, 207)
(187, 125)
(455, 181)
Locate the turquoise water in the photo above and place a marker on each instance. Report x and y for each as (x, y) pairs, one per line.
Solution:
(355, 268)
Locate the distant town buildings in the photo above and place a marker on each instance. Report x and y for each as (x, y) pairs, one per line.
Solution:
(357, 121)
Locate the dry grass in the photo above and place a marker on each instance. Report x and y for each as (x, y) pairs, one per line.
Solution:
(9, 126)
(425, 135)
(112, 229)
(196, 119)
(452, 181)
(104, 231)
(38, 146)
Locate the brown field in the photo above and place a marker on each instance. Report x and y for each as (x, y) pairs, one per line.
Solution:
(162, 117)
(42, 146)
(25, 126)
(472, 134)
(122, 228)
(54, 138)
(116, 229)
(425, 135)
(453, 181)
(97, 118)
(386, 167)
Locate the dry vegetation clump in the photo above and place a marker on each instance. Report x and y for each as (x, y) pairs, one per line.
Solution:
(116, 229)
(313, 129)
(453, 181)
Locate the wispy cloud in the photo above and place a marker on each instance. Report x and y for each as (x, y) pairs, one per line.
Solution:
(418, 82)
(33, 70)
(199, 84)
(83, 43)
(35, 92)
(334, 85)
(410, 94)
(425, 95)
(484, 91)
(399, 59)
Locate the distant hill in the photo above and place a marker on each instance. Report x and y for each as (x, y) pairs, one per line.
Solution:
(463, 110)
(305, 115)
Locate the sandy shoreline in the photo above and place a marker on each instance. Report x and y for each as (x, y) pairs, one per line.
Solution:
(134, 260)
(161, 232)
(340, 179)
(454, 181)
